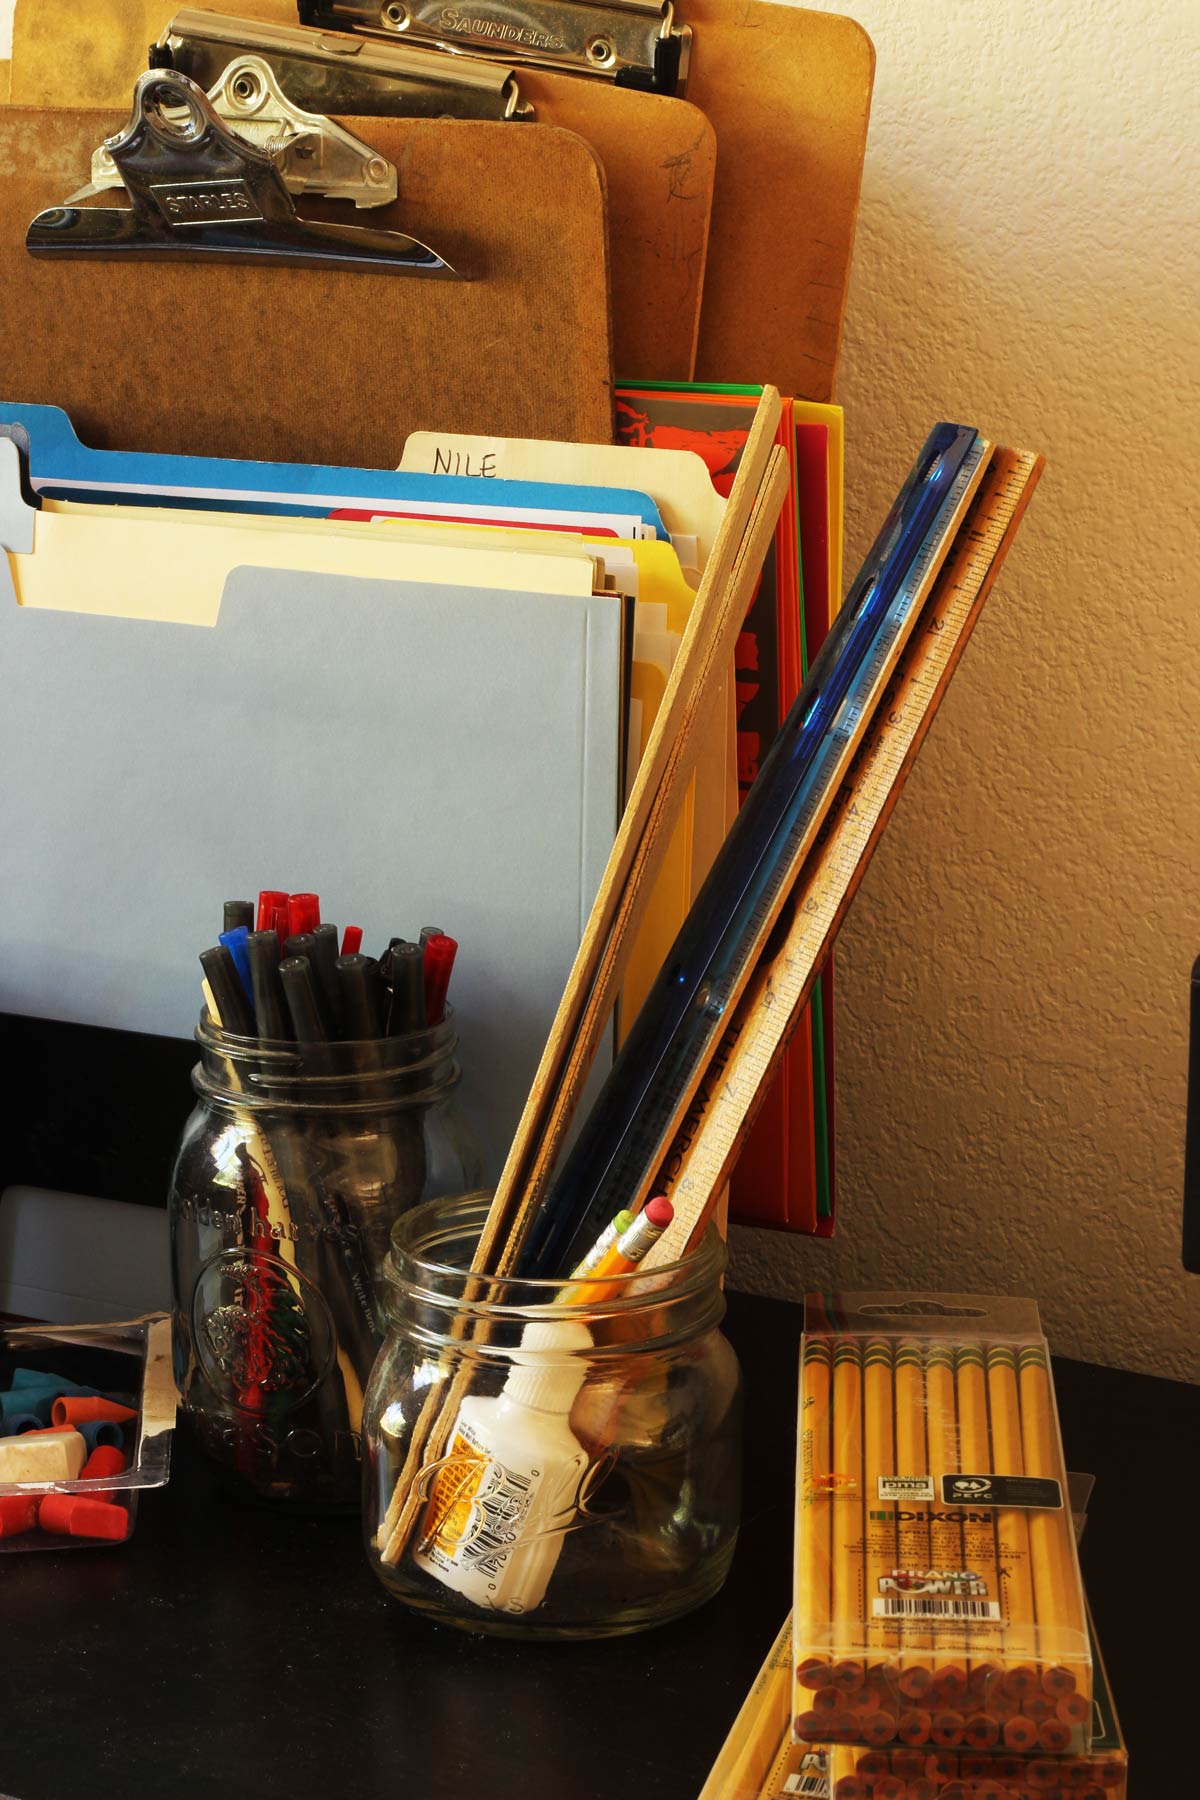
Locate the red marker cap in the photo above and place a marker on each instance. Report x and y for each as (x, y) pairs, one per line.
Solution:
(269, 902)
(352, 940)
(72, 1515)
(440, 952)
(304, 913)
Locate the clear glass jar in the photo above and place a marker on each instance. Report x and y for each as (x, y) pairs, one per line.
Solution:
(293, 1168)
(543, 1466)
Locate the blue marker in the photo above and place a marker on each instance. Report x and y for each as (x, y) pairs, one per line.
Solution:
(235, 942)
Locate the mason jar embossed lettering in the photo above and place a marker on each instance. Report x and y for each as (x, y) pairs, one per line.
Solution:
(293, 1168)
(543, 1461)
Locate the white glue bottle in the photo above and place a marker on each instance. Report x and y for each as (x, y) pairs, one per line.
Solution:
(508, 1489)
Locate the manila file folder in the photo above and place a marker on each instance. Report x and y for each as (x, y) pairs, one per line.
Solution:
(451, 750)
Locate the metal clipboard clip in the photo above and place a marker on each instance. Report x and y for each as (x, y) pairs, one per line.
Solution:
(199, 192)
(312, 154)
(341, 72)
(634, 43)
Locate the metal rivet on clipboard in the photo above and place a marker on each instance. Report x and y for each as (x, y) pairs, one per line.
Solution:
(199, 192)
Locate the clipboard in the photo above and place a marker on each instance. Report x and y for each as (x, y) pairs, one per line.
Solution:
(658, 155)
(323, 365)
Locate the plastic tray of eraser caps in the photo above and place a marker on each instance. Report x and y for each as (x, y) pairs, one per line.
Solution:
(87, 1414)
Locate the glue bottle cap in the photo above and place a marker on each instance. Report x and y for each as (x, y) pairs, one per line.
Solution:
(549, 1371)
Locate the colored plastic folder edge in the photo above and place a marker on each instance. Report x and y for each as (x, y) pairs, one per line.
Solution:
(59, 461)
(784, 1175)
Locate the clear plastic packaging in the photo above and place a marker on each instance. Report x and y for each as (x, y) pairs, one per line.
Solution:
(938, 1601)
(131, 1358)
(1100, 1773)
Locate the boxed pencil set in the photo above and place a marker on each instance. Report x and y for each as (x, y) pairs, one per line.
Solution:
(1099, 1773)
(760, 1761)
(938, 1600)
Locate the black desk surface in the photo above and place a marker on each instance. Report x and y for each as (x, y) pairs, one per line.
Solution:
(226, 1653)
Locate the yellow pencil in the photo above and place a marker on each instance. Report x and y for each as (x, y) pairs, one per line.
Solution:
(945, 1530)
(878, 1439)
(1058, 1595)
(814, 1593)
(912, 1535)
(846, 1513)
(979, 1534)
(1012, 1526)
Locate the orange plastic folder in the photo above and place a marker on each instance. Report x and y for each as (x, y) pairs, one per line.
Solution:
(782, 1174)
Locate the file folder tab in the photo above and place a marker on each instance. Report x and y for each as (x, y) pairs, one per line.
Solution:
(635, 43)
(338, 72)
(199, 191)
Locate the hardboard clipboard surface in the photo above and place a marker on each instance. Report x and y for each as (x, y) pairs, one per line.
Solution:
(123, 787)
(789, 94)
(658, 154)
(323, 365)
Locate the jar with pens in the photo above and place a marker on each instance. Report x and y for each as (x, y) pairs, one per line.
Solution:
(325, 1109)
(551, 1460)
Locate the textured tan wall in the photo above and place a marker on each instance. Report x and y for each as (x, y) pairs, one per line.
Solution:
(1013, 977)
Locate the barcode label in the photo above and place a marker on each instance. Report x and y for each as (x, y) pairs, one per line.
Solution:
(816, 1786)
(501, 1511)
(921, 1606)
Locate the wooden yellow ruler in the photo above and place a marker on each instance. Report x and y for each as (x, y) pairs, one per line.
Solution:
(738, 1076)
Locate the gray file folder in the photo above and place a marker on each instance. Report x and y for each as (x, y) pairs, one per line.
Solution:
(410, 752)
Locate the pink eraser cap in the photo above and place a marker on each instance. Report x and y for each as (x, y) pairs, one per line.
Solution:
(659, 1211)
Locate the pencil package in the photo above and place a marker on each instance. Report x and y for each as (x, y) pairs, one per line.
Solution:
(900, 1773)
(758, 1760)
(937, 1599)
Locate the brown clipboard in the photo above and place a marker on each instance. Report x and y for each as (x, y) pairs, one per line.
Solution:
(789, 95)
(659, 156)
(321, 365)
(788, 92)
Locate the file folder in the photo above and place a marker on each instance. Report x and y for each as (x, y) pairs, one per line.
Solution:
(63, 468)
(677, 480)
(373, 736)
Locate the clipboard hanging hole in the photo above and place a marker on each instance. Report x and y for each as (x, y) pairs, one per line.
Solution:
(600, 52)
(395, 16)
(172, 115)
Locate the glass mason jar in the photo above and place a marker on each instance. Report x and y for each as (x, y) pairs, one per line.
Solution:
(293, 1168)
(543, 1465)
